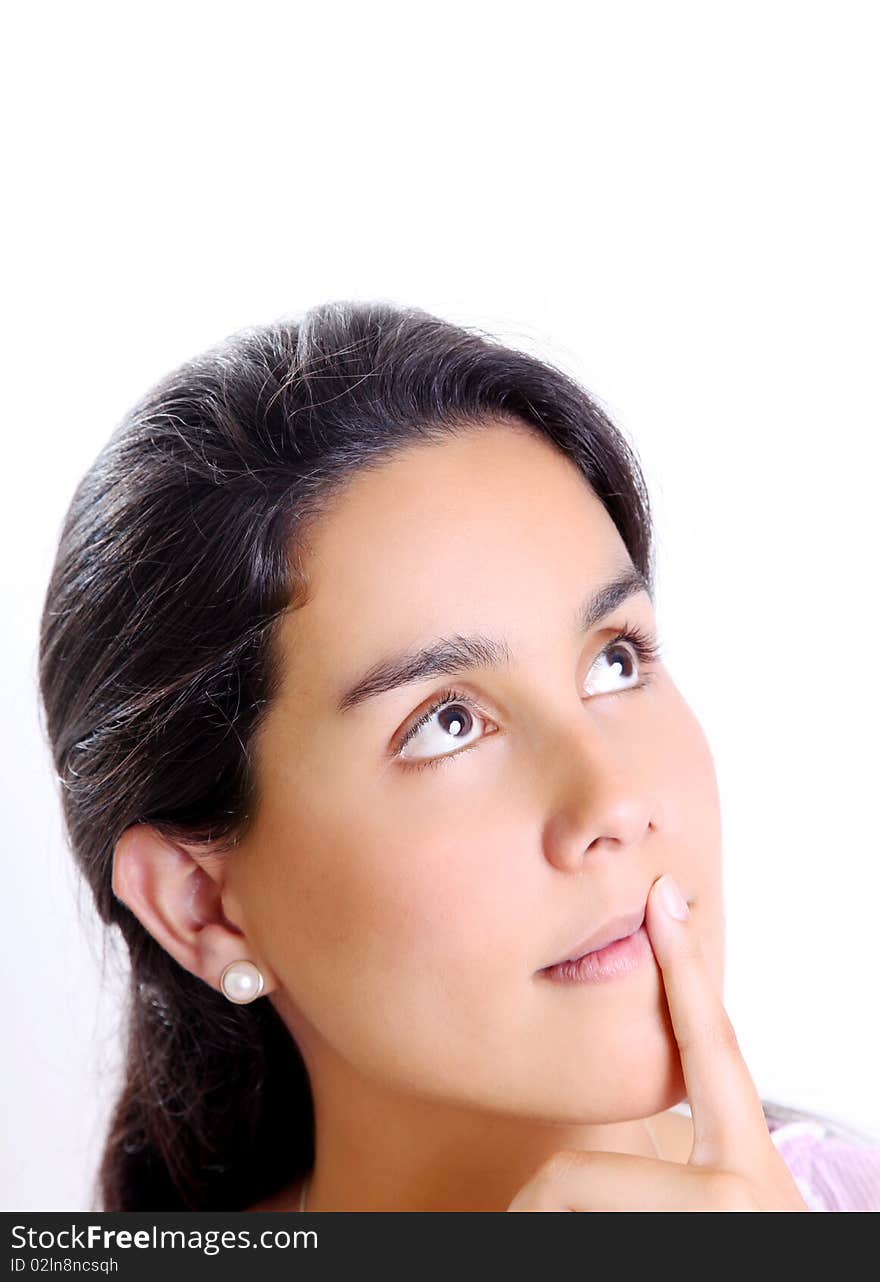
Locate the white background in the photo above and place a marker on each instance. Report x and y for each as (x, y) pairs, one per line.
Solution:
(678, 204)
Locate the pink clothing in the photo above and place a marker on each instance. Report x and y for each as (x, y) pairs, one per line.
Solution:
(835, 1168)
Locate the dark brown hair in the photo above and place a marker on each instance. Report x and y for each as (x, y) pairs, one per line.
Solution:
(179, 551)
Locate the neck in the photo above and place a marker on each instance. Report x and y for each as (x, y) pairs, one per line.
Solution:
(304, 1203)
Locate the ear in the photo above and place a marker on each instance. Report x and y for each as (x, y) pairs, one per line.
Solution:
(176, 892)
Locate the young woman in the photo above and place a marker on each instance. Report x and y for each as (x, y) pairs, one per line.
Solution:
(353, 686)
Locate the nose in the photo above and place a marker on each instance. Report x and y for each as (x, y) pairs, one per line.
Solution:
(601, 804)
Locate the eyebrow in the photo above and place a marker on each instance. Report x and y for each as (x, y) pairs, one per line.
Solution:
(450, 655)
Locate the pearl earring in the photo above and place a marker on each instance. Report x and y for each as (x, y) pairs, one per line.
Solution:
(241, 982)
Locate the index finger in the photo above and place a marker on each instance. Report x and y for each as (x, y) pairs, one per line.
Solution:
(728, 1117)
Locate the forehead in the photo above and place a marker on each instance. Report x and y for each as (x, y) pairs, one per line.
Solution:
(480, 532)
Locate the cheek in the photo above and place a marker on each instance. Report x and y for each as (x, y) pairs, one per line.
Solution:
(680, 763)
(690, 828)
(403, 956)
(376, 904)
(432, 904)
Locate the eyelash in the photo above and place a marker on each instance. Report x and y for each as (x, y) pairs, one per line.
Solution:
(647, 649)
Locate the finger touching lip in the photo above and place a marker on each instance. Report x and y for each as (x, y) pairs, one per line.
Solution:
(724, 1101)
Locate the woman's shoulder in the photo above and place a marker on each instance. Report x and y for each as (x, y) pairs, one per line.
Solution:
(835, 1166)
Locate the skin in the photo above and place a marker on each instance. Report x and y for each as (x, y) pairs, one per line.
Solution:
(733, 1165)
(399, 916)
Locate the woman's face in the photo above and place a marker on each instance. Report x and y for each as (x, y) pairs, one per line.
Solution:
(405, 912)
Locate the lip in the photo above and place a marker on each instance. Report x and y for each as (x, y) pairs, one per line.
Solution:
(614, 961)
(616, 928)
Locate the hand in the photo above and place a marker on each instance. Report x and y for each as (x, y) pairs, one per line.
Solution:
(734, 1165)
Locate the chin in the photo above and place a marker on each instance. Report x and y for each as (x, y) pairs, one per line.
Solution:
(656, 1086)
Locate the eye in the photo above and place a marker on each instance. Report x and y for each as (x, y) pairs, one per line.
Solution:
(619, 658)
(456, 713)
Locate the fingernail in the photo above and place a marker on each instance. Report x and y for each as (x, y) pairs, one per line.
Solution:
(672, 898)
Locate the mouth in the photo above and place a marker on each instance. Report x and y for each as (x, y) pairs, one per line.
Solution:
(612, 930)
